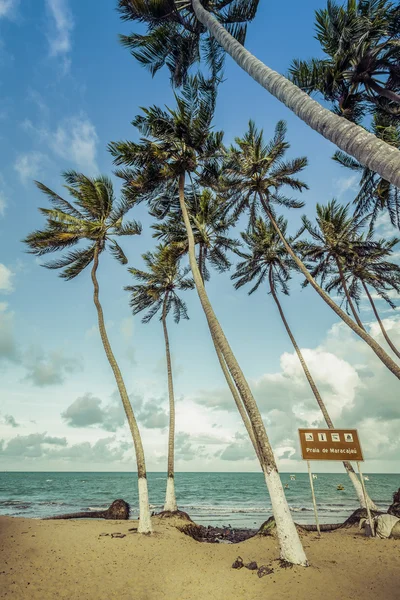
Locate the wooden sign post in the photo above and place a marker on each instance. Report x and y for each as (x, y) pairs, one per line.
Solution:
(332, 444)
(313, 498)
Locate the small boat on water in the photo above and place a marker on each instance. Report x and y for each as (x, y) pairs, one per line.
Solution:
(340, 487)
(315, 476)
(292, 477)
(286, 486)
(366, 478)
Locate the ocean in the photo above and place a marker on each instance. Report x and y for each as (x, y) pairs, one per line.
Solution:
(219, 499)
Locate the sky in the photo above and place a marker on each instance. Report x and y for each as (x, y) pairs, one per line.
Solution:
(67, 88)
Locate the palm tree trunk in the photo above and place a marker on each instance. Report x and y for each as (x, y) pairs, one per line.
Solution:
(144, 509)
(350, 471)
(370, 151)
(347, 294)
(385, 335)
(227, 375)
(170, 498)
(291, 548)
(373, 344)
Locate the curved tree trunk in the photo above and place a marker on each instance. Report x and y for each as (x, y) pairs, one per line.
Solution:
(350, 471)
(370, 151)
(170, 498)
(144, 509)
(373, 344)
(291, 548)
(347, 294)
(384, 332)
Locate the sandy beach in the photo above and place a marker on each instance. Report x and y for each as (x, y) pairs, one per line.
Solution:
(71, 559)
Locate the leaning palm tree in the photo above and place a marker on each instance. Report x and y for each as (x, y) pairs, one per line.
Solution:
(176, 144)
(95, 217)
(268, 259)
(178, 34)
(254, 172)
(371, 270)
(158, 292)
(335, 240)
(359, 69)
(210, 223)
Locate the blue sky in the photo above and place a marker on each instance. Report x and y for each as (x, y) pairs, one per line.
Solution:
(67, 89)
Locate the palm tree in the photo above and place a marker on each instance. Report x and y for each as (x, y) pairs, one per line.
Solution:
(177, 143)
(178, 30)
(97, 218)
(253, 175)
(335, 240)
(157, 292)
(268, 259)
(376, 194)
(370, 269)
(210, 223)
(360, 67)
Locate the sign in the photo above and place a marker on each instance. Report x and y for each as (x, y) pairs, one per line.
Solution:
(330, 444)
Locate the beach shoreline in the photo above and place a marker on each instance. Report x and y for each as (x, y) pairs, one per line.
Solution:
(80, 559)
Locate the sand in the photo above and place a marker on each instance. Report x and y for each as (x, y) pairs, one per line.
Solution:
(70, 559)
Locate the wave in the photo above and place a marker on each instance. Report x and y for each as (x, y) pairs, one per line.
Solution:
(48, 480)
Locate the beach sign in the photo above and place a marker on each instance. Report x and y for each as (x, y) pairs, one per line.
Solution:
(330, 444)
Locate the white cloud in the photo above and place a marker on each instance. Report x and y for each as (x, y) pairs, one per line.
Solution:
(126, 328)
(29, 165)
(7, 7)
(6, 275)
(62, 25)
(345, 184)
(3, 204)
(75, 140)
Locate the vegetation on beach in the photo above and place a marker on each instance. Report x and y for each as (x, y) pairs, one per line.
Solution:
(201, 194)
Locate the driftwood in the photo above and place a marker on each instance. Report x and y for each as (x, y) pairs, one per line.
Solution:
(267, 528)
(118, 511)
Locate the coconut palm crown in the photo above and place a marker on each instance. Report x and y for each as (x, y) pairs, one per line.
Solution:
(211, 223)
(267, 257)
(360, 70)
(159, 285)
(175, 38)
(255, 170)
(94, 215)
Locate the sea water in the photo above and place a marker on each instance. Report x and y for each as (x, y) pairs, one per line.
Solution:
(236, 499)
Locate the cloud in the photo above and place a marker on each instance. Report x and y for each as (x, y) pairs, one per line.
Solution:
(126, 328)
(10, 420)
(30, 165)
(3, 204)
(6, 275)
(74, 140)
(40, 445)
(33, 445)
(344, 184)
(152, 415)
(87, 410)
(49, 369)
(62, 24)
(7, 8)
(8, 344)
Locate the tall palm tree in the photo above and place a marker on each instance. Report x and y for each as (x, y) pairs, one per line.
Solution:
(210, 223)
(360, 68)
(376, 195)
(94, 216)
(158, 292)
(253, 175)
(178, 30)
(268, 259)
(371, 269)
(177, 143)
